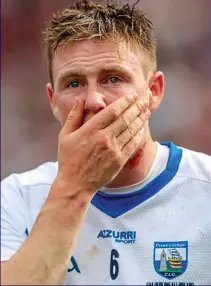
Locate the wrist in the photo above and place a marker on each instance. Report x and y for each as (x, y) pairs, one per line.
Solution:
(66, 206)
(68, 190)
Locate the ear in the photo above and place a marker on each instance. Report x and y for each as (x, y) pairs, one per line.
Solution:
(52, 100)
(156, 86)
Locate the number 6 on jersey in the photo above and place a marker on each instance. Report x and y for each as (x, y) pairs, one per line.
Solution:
(114, 265)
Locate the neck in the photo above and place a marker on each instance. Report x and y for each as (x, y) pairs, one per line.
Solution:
(137, 168)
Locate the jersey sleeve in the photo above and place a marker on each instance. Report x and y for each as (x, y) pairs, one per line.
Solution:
(13, 217)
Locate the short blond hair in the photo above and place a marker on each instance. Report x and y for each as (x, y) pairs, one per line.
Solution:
(86, 20)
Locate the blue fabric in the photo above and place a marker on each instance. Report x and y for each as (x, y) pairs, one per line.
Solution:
(115, 205)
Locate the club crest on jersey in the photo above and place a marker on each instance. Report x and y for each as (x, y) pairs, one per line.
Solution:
(170, 258)
(127, 237)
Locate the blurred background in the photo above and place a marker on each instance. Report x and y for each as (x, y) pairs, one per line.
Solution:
(29, 130)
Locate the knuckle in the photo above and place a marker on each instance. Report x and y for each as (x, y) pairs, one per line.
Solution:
(139, 105)
(131, 129)
(135, 141)
(147, 113)
(118, 162)
(104, 140)
(124, 120)
(88, 130)
(113, 113)
(139, 123)
(115, 157)
(129, 98)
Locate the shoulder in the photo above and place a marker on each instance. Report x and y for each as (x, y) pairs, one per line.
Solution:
(16, 184)
(195, 165)
(43, 174)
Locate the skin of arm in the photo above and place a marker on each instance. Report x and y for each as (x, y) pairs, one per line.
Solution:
(44, 257)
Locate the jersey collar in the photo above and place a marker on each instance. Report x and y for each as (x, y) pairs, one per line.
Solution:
(115, 205)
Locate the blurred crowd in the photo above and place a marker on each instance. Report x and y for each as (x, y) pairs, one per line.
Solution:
(29, 130)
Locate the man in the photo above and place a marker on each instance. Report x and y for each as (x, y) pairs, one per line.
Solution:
(118, 208)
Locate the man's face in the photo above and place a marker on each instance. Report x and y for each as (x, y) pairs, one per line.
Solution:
(99, 72)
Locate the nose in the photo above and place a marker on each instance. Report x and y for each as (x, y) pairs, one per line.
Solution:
(94, 101)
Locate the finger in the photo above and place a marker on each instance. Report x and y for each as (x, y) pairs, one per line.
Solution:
(148, 94)
(133, 128)
(127, 117)
(111, 112)
(133, 145)
(75, 117)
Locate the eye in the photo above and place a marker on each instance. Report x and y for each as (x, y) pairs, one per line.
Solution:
(114, 79)
(73, 84)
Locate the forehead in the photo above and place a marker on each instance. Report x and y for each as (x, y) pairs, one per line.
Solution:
(91, 55)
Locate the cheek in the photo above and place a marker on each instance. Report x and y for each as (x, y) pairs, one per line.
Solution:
(65, 104)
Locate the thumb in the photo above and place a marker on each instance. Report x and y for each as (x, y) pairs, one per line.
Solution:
(75, 117)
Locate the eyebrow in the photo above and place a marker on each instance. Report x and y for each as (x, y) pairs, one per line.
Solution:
(76, 73)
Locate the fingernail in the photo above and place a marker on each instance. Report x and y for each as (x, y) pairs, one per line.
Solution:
(75, 105)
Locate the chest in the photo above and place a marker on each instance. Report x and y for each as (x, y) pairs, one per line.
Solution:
(143, 247)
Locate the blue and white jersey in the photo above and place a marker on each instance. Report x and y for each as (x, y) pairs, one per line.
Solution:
(158, 235)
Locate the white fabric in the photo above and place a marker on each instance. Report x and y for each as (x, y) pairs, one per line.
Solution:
(181, 211)
(158, 166)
